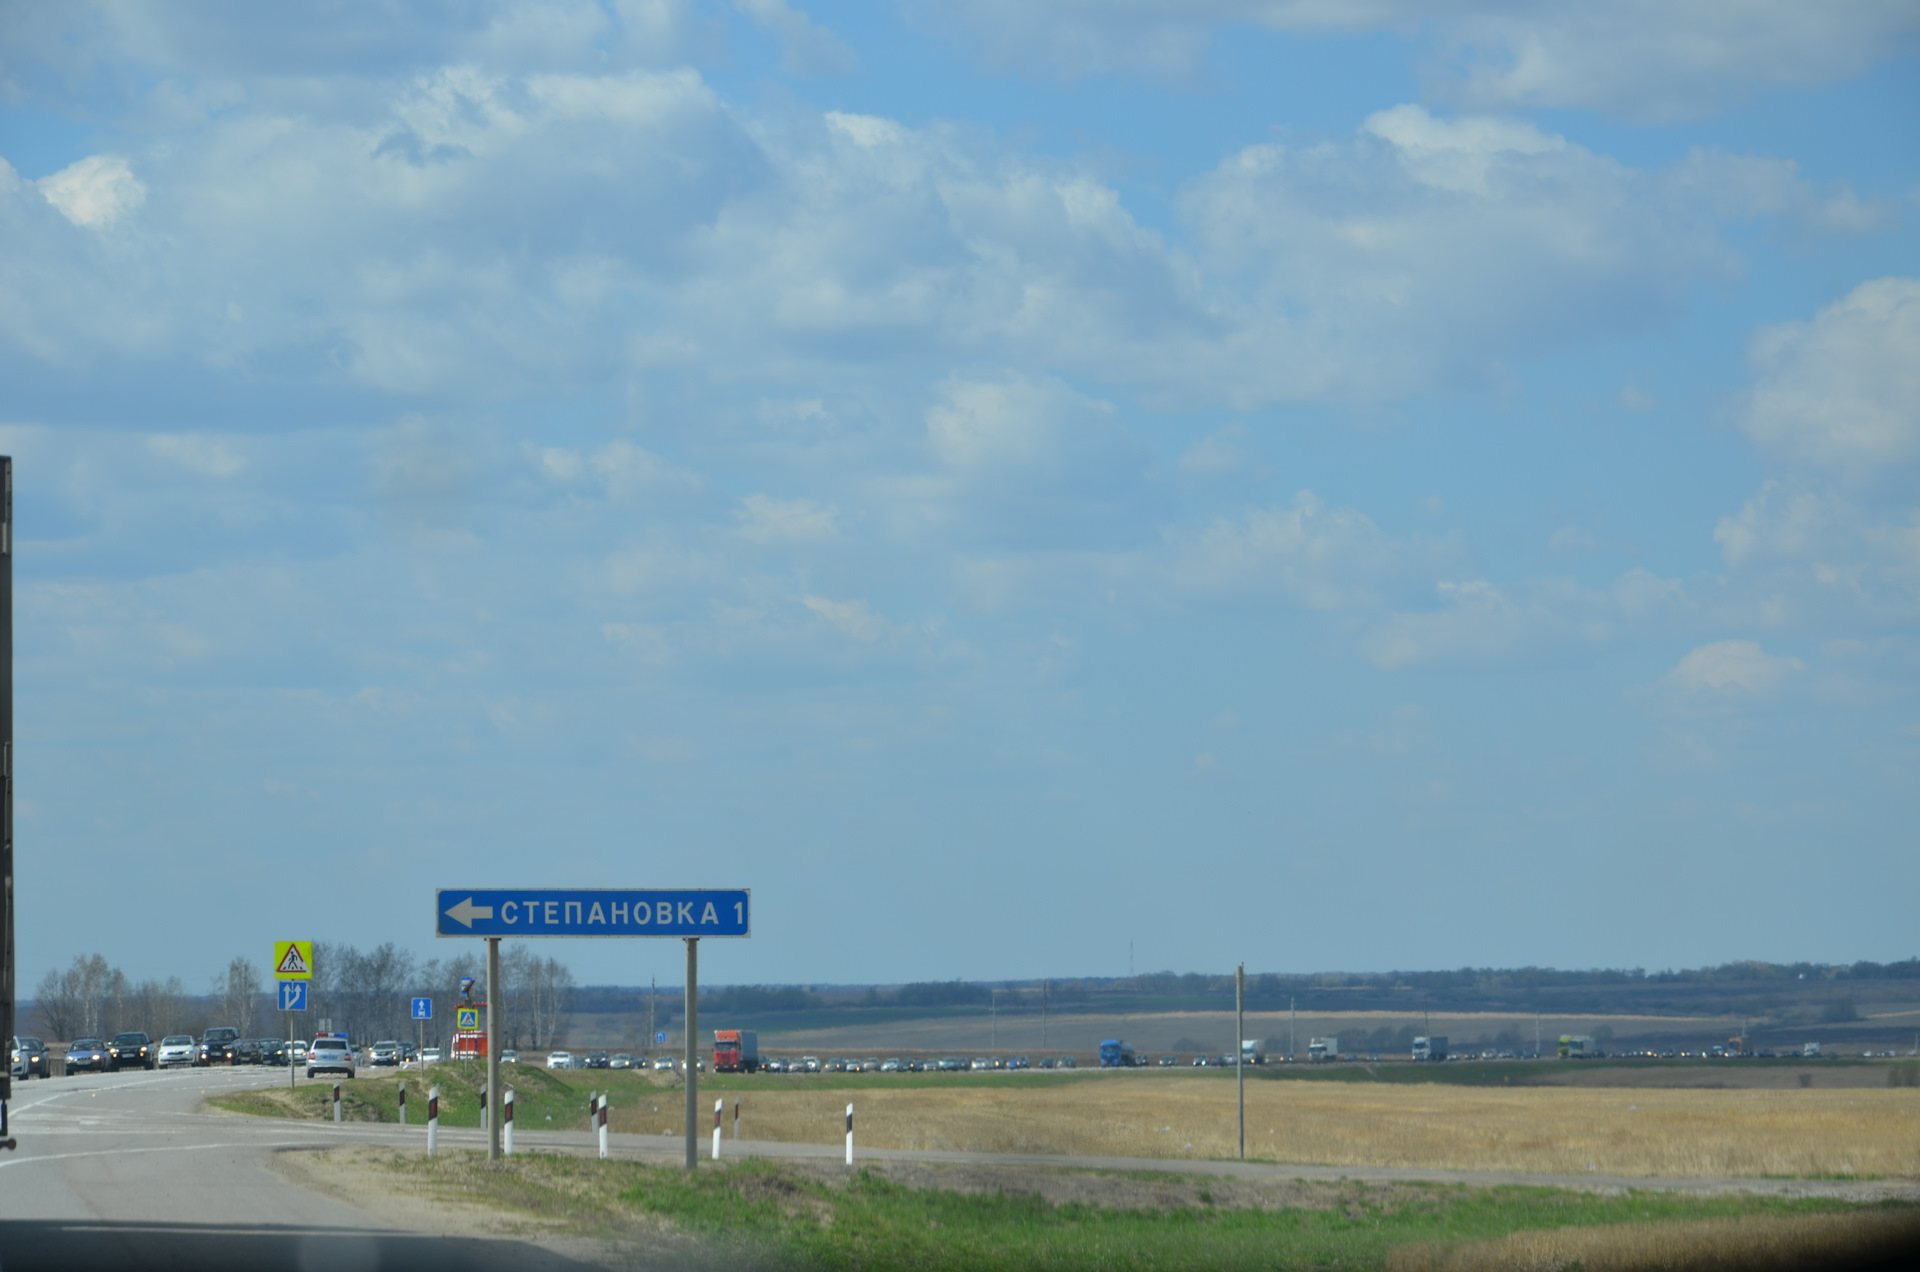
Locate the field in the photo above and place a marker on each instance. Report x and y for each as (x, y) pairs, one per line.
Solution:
(1686, 1133)
(1535, 1130)
(820, 1216)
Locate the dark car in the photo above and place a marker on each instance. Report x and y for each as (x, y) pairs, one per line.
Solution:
(247, 1051)
(598, 1060)
(130, 1051)
(216, 1045)
(273, 1051)
(87, 1055)
(30, 1059)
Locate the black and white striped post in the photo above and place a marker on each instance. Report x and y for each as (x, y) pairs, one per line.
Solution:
(506, 1128)
(603, 1126)
(736, 1120)
(336, 1102)
(849, 1134)
(718, 1104)
(433, 1120)
(403, 1104)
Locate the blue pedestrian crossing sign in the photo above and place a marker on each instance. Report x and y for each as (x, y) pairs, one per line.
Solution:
(293, 995)
(423, 1009)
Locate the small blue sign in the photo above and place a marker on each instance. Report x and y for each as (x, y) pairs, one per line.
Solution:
(592, 912)
(661, 1036)
(423, 1009)
(293, 995)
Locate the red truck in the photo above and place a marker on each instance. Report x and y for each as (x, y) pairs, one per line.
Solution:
(735, 1051)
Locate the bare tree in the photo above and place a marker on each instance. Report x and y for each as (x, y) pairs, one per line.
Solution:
(83, 998)
(239, 994)
(59, 1006)
(553, 1000)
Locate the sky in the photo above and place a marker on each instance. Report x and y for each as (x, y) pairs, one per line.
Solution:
(1038, 488)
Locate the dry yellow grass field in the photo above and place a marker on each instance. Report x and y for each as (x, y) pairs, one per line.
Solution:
(1691, 1133)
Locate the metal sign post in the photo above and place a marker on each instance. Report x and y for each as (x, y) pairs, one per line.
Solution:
(7, 1023)
(493, 1049)
(693, 1047)
(292, 969)
(688, 913)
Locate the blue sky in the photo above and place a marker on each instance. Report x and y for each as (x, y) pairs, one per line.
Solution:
(1354, 486)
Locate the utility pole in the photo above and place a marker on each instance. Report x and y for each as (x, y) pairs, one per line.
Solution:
(1291, 1040)
(1240, 1050)
(993, 1036)
(1043, 1015)
(653, 1001)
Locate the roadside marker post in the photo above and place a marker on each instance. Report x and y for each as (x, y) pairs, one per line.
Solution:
(403, 1104)
(687, 913)
(717, 1106)
(849, 1134)
(736, 1120)
(336, 1103)
(506, 1133)
(603, 1127)
(433, 1120)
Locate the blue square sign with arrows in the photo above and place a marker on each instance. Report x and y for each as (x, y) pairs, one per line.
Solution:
(293, 995)
(423, 1009)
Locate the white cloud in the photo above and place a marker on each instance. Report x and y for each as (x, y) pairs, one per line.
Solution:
(208, 456)
(95, 192)
(1647, 59)
(852, 618)
(1842, 391)
(1319, 557)
(764, 519)
(1776, 522)
(1219, 452)
(1731, 665)
(1014, 423)
(805, 48)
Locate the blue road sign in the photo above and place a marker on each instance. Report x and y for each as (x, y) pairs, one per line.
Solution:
(661, 1036)
(293, 995)
(423, 1009)
(592, 912)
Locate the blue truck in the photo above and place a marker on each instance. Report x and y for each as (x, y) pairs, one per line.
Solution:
(1115, 1054)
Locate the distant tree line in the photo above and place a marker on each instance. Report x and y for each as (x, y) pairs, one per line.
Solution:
(369, 994)
(365, 994)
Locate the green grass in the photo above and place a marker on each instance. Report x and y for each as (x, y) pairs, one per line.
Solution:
(776, 1214)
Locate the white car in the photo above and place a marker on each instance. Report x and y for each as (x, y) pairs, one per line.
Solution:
(559, 1060)
(298, 1050)
(429, 1055)
(663, 1065)
(177, 1049)
(330, 1055)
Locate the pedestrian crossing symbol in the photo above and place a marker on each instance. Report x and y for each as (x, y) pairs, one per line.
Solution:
(293, 960)
(466, 1018)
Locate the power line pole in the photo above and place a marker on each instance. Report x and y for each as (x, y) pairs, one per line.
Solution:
(1240, 1049)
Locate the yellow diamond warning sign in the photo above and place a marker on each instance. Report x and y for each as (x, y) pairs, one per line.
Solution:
(293, 960)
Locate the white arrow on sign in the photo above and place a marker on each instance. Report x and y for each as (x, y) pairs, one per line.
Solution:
(466, 912)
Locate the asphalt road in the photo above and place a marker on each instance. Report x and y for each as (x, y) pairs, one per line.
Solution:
(120, 1171)
(126, 1171)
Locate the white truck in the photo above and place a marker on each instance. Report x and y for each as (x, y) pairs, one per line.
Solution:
(1434, 1048)
(1811, 1050)
(1253, 1051)
(1319, 1049)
